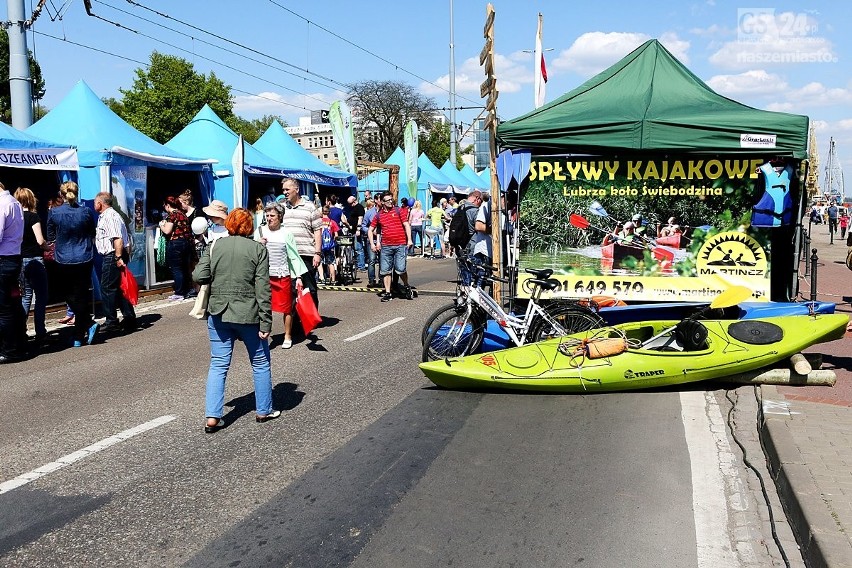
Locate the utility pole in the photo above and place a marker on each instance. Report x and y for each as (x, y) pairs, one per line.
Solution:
(452, 92)
(20, 83)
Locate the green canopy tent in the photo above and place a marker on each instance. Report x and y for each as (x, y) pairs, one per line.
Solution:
(650, 101)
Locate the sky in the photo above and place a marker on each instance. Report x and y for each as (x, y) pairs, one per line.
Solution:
(286, 58)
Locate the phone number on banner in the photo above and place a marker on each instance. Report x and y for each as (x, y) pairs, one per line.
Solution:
(644, 288)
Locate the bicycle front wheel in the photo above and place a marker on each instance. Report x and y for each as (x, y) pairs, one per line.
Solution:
(437, 316)
(455, 335)
(567, 319)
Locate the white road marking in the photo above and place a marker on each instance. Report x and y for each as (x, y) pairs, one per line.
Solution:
(706, 441)
(374, 329)
(25, 478)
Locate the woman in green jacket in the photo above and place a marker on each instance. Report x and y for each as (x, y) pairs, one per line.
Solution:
(237, 270)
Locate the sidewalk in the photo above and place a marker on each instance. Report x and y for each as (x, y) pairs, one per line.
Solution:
(807, 431)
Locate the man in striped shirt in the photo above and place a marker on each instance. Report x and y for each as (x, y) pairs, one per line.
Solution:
(111, 241)
(304, 221)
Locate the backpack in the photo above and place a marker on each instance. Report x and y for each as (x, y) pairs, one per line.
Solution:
(460, 232)
(327, 239)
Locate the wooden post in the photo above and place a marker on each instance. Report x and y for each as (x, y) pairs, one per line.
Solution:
(488, 89)
(393, 181)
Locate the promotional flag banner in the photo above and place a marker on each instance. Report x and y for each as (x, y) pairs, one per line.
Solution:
(411, 155)
(340, 118)
(540, 77)
(238, 165)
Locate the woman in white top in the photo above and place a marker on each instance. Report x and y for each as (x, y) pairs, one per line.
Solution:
(285, 265)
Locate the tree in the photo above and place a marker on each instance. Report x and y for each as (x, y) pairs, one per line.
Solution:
(436, 145)
(253, 129)
(167, 95)
(382, 109)
(38, 88)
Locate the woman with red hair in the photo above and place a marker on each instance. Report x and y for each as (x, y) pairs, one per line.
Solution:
(179, 246)
(240, 307)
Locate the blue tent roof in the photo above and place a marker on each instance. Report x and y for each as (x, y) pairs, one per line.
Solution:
(430, 174)
(82, 119)
(485, 176)
(475, 180)
(11, 137)
(460, 183)
(379, 180)
(208, 135)
(298, 162)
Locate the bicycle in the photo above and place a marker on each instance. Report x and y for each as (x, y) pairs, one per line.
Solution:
(347, 268)
(457, 329)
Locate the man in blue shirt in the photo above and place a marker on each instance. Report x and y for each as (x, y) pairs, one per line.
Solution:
(13, 331)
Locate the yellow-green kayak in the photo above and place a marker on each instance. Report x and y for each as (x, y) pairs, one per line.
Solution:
(657, 353)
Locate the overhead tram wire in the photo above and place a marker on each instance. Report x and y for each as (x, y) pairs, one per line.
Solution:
(232, 52)
(247, 48)
(225, 65)
(365, 50)
(146, 64)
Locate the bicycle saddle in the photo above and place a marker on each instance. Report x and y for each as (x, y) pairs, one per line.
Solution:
(541, 273)
(545, 284)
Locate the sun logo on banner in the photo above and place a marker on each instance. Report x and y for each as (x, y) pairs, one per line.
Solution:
(732, 253)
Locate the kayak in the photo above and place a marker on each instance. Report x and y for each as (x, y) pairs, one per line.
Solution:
(495, 338)
(617, 252)
(675, 241)
(654, 354)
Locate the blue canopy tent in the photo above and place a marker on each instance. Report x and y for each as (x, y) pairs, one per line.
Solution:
(434, 179)
(485, 176)
(300, 164)
(461, 184)
(115, 157)
(379, 180)
(208, 135)
(474, 180)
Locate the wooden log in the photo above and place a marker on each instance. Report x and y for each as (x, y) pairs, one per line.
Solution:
(801, 365)
(820, 377)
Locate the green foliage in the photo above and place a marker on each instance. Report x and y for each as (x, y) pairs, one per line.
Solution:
(436, 145)
(384, 109)
(38, 88)
(252, 129)
(165, 96)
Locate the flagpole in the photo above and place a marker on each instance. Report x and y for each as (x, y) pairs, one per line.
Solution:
(452, 92)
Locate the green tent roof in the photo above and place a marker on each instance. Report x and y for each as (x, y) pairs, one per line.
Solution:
(650, 101)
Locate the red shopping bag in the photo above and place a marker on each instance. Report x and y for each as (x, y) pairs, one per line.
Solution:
(307, 310)
(129, 286)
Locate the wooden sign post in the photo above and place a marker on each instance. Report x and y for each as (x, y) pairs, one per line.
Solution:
(488, 90)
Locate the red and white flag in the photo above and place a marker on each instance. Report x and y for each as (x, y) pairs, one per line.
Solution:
(540, 68)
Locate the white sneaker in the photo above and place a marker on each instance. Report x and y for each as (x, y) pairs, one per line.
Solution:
(287, 344)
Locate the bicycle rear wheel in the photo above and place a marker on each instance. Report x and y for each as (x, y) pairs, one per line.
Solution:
(455, 335)
(571, 318)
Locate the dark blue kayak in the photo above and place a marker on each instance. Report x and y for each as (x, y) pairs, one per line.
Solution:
(495, 338)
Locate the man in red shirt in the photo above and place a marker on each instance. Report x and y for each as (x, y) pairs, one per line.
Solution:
(394, 232)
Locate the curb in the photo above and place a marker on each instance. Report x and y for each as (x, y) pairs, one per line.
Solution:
(815, 529)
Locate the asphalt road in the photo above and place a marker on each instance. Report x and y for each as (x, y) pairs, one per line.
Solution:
(369, 465)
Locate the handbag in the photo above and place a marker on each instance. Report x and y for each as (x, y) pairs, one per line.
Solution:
(199, 308)
(50, 251)
(307, 310)
(161, 250)
(129, 286)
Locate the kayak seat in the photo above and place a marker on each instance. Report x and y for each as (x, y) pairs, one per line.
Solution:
(540, 273)
(691, 334)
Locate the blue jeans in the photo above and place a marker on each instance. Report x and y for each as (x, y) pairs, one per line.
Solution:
(34, 277)
(177, 258)
(416, 231)
(372, 259)
(359, 252)
(223, 335)
(393, 258)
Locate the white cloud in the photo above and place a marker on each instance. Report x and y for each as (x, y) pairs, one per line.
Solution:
(511, 71)
(713, 31)
(754, 82)
(845, 124)
(817, 94)
(819, 125)
(769, 38)
(781, 107)
(593, 52)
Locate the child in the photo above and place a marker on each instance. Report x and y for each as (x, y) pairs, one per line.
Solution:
(329, 238)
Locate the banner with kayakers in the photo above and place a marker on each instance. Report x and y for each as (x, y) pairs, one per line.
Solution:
(658, 228)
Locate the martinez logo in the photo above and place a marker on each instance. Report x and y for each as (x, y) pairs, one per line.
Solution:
(630, 374)
(732, 253)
